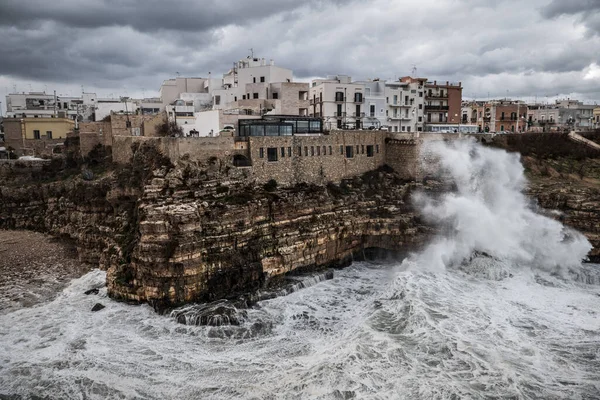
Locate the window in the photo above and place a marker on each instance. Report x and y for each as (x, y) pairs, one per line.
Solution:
(261, 152)
(502, 116)
(420, 119)
(275, 95)
(330, 150)
(357, 150)
(377, 148)
(312, 150)
(318, 150)
(339, 96)
(282, 152)
(48, 134)
(372, 110)
(420, 94)
(253, 79)
(395, 99)
(362, 149)
(217, 100)
(395, 129)
(501, 127)
(324, 151)
(300, 150)
(420, 106)
(405, 100)
(289, 151)
(306, 150)
(358, 97)
(387, 100)
(441, 93)
(255, 95)
(349, 151)
(420, 129)
(339, 110)
(36, 134)
(341, 149)
(244, 97)
(408, 129)
(262, 78)
(272, 153)
(369, 150)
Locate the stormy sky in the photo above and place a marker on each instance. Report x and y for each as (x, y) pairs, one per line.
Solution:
(497, 48)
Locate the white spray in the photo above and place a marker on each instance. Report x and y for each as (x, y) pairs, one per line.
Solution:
(488, 213)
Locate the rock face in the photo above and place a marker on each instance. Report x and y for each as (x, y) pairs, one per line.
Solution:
(202, 239)
(579, 206)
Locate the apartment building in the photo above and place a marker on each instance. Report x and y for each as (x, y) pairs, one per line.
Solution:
(596, 117)
(87, 107)
(405, 100)
(497, 115)
(563, 114)
(443, 106)
(338, 102)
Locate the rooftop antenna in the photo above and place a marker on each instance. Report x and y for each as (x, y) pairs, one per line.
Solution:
(251, 52)
(414, 71)
(177, 74)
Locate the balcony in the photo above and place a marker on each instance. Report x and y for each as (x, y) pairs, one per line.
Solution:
(339, 115)
(435, 107)
(436, 96)
(473, 120)
(359, 115)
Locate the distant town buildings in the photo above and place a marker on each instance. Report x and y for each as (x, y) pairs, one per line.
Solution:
(255, 97)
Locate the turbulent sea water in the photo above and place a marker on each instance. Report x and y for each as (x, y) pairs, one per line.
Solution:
(498, 306)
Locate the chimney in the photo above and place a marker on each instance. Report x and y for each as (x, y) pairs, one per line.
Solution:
(435, 83)
(459, 84)
(447, 83)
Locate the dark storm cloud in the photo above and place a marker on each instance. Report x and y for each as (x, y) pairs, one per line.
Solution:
(146, 15)
(587, 10)
(561, 7)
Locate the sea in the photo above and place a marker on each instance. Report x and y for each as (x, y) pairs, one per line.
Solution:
(498, 306)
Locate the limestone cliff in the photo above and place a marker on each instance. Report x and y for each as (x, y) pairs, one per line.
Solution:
(202, 238)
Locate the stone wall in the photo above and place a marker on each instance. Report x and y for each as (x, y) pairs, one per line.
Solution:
(316, 159)
(199, 148)
(12, 134)
(92, 134)
(403, 156)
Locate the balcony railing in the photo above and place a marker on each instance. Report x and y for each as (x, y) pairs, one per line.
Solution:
(339, 115)
(436, 96)
(359, 100)
(436, 107)
(359, 115)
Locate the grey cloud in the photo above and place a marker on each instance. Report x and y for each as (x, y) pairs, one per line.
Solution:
(146, 15)
(133, 43)
(588, 12)
(561, 7)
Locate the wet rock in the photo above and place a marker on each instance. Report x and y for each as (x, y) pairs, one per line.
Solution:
(91, 291)
(219, 313)
(98, 307)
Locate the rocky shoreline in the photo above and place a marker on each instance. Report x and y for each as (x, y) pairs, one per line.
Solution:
(171, 234)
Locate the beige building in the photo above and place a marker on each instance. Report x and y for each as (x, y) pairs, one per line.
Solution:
(36, 136)
(597, 118)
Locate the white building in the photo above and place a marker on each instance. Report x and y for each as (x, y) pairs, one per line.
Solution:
(338, 101)
(375, 105)
(405, 104)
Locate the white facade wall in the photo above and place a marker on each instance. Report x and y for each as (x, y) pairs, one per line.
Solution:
(207, 121)
(104, 109)
(405, 106)
(337, 114)
(375, 105)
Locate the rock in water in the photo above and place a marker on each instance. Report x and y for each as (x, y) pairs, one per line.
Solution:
(91, 291)
(97, 307)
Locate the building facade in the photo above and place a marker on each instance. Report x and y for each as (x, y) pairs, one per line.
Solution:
(405, 104)
(338, 102)
(36, 136)
(443, 106)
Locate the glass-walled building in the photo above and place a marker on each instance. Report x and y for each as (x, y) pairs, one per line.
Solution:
(280, 125)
